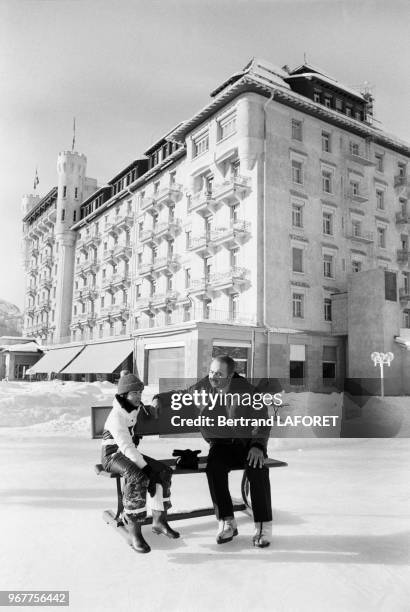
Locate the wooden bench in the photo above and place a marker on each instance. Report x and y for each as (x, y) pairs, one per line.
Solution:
(98, 417)
(114, 518)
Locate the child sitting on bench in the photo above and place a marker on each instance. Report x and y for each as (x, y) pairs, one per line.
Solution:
(141, 473)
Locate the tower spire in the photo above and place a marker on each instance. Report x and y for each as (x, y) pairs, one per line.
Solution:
(36, 180)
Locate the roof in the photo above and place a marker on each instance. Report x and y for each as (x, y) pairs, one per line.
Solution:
(43, 203)
(164, 139)
(329, 81)
(28, 347)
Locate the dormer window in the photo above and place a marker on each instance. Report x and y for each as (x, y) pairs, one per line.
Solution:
(328, 102)
(316, 96)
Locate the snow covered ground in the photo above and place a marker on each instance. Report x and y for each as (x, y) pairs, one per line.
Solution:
(341, 513)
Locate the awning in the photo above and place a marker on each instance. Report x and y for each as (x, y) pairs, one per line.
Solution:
(404, 338)
(101, 358)
(55, 360)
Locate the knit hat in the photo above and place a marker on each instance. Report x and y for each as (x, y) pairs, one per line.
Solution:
(129, 382)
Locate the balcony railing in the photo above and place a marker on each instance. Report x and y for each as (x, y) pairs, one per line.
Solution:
(359, 156)
(402, 255)
(357, 195)
(169, 195)
(146, 269)
(202, 245)
(203, 313)
(401, 180)
(232, 190)
(123, 222)
(166, 264)
(45, 305)
(120, 279)
(46, 283)
(404, 294)
(115, 311)
(108, 255)
(203, 203)
(359, 235)
(167, 230)
(148, 203)
(230, 278)
(146, 236)
(122, 251)
(231, 236)
(49, 240)
(402, 217)
(48, 261)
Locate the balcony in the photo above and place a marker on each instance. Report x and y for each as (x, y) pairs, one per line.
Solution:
(122, 251)
(45, 305)
(149, 204)
(200, 287)
(401, 180)
(33, 268)
(358, 156)
(110, 228)
(143, 303)
(90, 266)
(122, 223)
(34, 251)
(51, 214)
(203, 203)
(402, 218)
(115, 311)
(88, 293)
(202, 245)
(48, 261)
(108, 256)
(404, 294)
(146, 269)
(231, 280)
(31, 291)
(30, 311)
(357, 195)
(147, 236)
(120, 280)
(169, 195)
(402, 256)
(232, 190)
(49, 240)
(46, 283)
(167, 230)
(164, 300)
(233, 236)
(359, 235)
(92, 240)
(166, 265)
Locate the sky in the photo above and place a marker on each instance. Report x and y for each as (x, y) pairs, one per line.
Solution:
(130, 70)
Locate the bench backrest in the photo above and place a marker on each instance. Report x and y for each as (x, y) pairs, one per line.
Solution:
(99, 414)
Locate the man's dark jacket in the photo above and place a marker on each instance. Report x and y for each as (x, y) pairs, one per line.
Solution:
(249, 436)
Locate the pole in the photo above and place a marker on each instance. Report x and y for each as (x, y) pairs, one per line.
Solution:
(381, 379)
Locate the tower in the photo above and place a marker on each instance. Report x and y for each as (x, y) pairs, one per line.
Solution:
(71, 168)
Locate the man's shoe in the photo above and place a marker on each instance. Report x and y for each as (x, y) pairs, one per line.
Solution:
(134, 529)
(161, 526)
(263, 534)
(227, 530)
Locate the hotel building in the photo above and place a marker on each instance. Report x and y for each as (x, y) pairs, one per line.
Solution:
(273, 224)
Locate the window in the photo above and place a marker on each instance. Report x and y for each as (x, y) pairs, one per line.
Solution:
(140, 228)
(327, 309)
(379, 162)
(187, 277)
(327, 180)
(354, 148)
(298, 305)
(358, 115)
(327, 223)
(297, 172)
(297, 215)
(406, 319)
(234, 257)
(356, 266)
(328, 102)
(381, 237)
(402, 169)
(296, 129)
(187, 312)
(137, 291)
(102, 301)
(380, 199)
(76, 192)
(339, 104)
(328, 265)
(200, 145)
(207, 268)
(356, 228)
(354, 188)
(63, 214)
(390, 286)
(326, 142)
(64, 191)
(235, 168)
(139, 259)
(75, 310)
(188, 235)
(234, 306)
(348, 111)
(297, 259)
(227, 126)
(329, 363)
(234, 213)
(316, 96)
(74, 216)
(297, 358)
(172, 177)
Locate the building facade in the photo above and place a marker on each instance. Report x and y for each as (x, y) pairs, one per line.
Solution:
(240, 231)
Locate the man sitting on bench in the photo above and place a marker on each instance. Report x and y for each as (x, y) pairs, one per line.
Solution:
(230, 448)
(141, 473)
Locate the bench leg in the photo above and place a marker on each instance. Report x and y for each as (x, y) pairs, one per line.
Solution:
(245, 491)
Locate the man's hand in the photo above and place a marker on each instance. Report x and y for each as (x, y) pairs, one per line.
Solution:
(255, 457)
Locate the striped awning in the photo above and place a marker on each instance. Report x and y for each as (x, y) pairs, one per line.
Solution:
(55, 360)
(102, 358)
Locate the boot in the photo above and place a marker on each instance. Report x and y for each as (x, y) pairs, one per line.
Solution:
(134, 529)
(227, 530)
(161, 526)
(263, 534)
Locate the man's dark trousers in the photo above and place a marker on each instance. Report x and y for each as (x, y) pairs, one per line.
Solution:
(222, 458)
